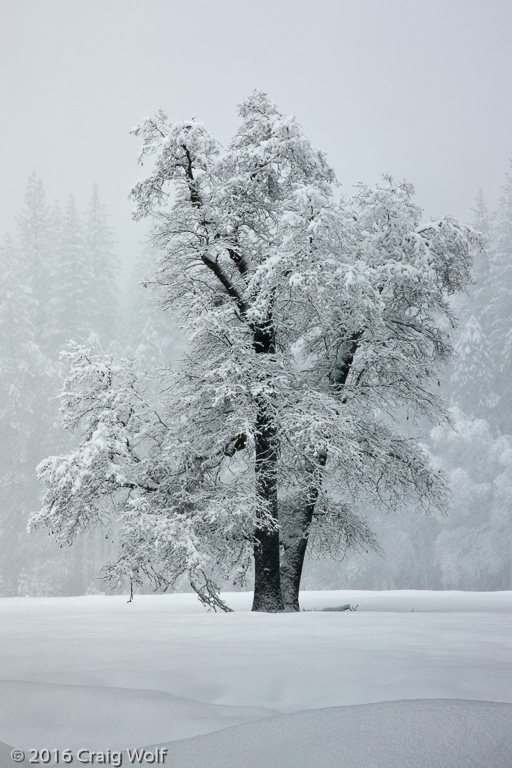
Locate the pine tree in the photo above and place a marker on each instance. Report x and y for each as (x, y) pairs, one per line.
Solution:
(482, 224)
(36, 248)
(49, 293)
(71, 285)
(23, 411)
(479, 294)
(99, 244)
(499, 310)
(155, 338)
(473, 378)
(472, 549)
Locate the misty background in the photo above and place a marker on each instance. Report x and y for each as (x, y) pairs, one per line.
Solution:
(419, 91)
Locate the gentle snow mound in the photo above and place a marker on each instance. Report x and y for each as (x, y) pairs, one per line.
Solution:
(428, 733)
(35, 715)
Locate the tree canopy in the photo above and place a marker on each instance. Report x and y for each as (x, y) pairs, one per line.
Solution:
(314, 322)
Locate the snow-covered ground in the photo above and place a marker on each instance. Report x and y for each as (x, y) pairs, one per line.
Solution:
(408, 679)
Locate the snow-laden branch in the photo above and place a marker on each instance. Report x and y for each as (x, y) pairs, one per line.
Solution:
(315, 324)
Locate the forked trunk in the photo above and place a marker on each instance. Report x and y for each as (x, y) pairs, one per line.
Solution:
(295, 537)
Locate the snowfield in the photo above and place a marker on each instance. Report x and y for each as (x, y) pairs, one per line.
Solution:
(408, 679)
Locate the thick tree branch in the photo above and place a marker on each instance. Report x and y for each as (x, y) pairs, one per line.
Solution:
(231, 290)
(213, 264)
(138, 486)
(239, 261)
(345, 358)
(237, 444)
(195, 198)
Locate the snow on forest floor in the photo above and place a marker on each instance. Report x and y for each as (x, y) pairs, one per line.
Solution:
(408, 679)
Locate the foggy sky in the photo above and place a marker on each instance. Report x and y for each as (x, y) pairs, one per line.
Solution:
(421, 90)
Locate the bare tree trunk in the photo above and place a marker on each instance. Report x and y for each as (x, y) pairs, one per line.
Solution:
(267, 576)
(267, 580)
(294, 543)
(294, 538)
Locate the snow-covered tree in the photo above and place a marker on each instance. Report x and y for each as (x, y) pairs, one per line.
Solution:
(71, 284)
(36, 247)
(499, 309)
(24, 412)
(473, 378)
(103, 266)
(313, 322)
(473, 384)
(48, 294)
(473, 546)
(155, 339)
(482, 222)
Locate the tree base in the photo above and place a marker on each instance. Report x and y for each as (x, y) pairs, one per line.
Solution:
(267, 603)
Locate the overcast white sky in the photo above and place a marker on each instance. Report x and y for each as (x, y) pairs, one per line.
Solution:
(419, 89)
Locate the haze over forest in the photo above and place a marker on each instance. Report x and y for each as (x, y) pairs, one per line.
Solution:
(418, 92)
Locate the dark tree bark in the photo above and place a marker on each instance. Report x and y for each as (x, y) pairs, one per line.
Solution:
(294, 544)
(295, 537)
(267, 579)
(267, 575)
